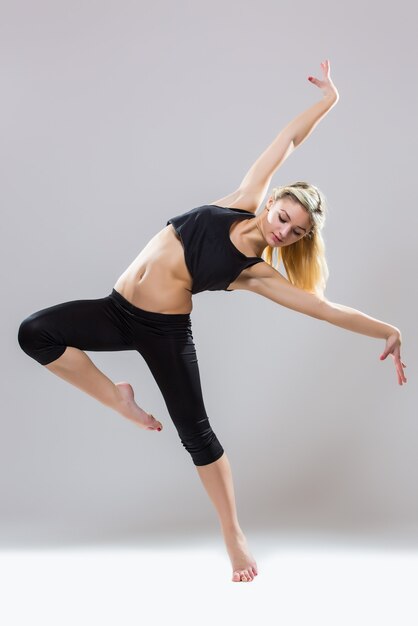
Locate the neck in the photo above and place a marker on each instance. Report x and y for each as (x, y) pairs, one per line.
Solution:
(252, 231)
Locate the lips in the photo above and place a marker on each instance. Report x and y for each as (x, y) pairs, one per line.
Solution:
(277, 239)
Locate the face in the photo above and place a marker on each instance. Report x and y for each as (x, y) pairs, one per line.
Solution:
(287, 220)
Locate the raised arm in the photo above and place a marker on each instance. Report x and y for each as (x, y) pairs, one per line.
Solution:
(273, 285)
(258, 177)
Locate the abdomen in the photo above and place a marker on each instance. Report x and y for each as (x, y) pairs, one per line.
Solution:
(158, 279)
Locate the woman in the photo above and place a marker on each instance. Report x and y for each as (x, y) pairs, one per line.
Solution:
(215, 246)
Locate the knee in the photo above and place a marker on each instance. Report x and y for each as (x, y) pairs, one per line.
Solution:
(36, 342)
(203, 445)
(28, 333)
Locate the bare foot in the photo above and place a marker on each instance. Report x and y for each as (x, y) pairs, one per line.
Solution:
(132, 411)
(243, 563)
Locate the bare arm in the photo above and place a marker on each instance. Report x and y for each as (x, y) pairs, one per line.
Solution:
(292, 135)
(273, 285)
(356, 321)
(303, 124)
(270, 283)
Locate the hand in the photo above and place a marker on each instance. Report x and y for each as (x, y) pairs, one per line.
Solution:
(393, 344)
(326, 84)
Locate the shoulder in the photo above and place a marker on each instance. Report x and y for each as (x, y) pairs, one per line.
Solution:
(247, 199)
(260, 271)
(251, 276)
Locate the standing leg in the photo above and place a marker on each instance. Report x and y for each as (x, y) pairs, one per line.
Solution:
(173, 362)
(56, 337)
(217, 480)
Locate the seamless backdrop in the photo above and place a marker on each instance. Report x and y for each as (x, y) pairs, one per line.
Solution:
(116, 116)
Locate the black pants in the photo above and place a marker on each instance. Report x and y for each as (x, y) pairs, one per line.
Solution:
(164, 340)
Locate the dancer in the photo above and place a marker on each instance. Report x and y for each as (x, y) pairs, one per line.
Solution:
(216, 246)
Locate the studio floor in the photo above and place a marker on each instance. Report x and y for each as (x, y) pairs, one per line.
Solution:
(300, 582)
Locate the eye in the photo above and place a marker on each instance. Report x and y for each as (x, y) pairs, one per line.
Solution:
(284, 222)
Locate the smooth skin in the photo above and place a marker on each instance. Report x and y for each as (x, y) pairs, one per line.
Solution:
(76, 367)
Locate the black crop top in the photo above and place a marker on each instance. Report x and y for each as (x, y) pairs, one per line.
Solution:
(211, 258)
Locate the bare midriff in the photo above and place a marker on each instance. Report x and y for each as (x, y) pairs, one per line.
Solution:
(158, 279)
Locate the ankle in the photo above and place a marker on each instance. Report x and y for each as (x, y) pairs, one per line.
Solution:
(118, 399)
(232, 531)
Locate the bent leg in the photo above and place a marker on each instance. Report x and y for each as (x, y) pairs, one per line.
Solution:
(56, 337)
(93, 325)
(75, 367)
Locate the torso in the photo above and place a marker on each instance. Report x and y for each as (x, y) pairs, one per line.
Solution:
(158, 279)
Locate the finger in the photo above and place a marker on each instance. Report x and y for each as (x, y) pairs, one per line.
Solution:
(399, 367)
(399, 363)
(400, 376)
(401, 373)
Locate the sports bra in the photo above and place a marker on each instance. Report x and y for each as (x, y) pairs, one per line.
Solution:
(211, 258)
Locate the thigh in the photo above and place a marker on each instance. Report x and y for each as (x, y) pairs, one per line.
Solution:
(174, 365)
(95, 324)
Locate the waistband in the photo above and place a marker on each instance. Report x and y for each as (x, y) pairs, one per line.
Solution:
(151, 315)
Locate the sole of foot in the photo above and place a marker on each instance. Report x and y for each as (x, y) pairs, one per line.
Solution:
(133, 411)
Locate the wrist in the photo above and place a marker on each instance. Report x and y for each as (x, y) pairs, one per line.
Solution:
(393, 331)
(331, 98)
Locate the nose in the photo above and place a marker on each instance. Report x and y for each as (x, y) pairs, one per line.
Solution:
(284, 232)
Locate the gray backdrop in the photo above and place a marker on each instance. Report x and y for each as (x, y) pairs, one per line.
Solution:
(118, 115)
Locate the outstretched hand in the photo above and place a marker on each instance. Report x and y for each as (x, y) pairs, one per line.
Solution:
(326, 84)
(393, 347)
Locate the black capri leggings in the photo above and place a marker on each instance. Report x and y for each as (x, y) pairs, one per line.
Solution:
(164, 340)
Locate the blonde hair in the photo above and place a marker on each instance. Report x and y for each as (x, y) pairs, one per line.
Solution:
(304, 260)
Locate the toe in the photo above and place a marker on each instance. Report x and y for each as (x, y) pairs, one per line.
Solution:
(236, 577)
(157, 425)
